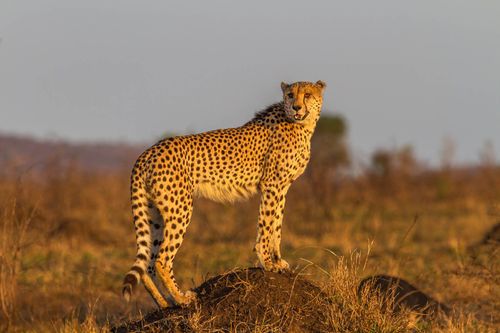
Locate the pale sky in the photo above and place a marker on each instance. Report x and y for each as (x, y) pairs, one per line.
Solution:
(401, 72)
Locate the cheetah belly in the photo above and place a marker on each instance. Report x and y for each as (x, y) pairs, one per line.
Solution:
(225, 193)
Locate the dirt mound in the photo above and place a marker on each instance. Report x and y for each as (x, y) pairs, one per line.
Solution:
(492, 237)
(243, 300)
(402, 294)
(487, 251)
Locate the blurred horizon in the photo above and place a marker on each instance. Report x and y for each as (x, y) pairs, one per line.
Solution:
(421, 74)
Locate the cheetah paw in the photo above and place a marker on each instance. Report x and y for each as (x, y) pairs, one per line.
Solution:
(187, 298)
(281, 266)
(268, 266)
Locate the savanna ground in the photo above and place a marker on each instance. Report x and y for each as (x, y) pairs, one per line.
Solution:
(67, 240)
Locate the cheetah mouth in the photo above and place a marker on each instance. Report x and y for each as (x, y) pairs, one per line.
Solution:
(298, 117)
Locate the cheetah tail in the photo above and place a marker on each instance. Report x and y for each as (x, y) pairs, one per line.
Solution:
(129, 284)
(132, 279)
(143, 238)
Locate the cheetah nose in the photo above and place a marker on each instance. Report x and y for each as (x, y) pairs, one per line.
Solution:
(297, 107)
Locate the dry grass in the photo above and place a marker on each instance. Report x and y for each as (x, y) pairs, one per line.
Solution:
(16, 222)
(67, 239)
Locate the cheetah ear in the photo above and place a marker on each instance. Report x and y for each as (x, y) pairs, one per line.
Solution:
(321, 84)
(284, 86)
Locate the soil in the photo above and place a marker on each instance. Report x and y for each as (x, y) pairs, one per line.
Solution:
(243, 300)
(403, 295)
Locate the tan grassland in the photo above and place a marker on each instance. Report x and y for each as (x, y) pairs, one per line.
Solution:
(67, 239)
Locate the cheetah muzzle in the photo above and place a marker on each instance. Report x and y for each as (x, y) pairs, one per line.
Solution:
(264, 155)
(299, 117)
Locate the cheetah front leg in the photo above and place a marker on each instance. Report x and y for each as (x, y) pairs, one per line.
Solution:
(269, 229)
(280, 263)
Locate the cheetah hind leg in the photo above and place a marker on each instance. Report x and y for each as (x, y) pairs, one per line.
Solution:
(175, 228)
(154, 292)
(166, 275)
(150, 279)
(145, 233)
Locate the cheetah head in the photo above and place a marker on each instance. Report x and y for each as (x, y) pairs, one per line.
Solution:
(303, 100)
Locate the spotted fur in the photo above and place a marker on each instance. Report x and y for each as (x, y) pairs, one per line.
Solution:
(265, 155)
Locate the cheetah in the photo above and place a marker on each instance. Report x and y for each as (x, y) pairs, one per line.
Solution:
(265, 155)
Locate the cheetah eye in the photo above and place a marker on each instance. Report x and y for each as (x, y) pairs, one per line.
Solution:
(307, 95)
(290, 95)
